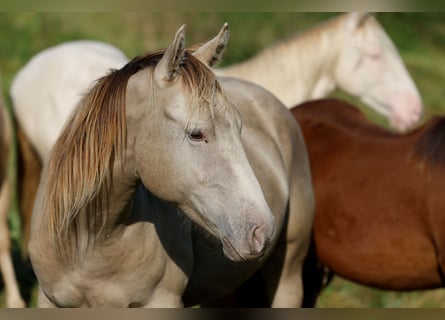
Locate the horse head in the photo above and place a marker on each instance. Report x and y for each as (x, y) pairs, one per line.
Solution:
(370, 67)
(187, 140)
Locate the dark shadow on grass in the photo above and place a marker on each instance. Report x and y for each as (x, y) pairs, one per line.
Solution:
(24, 273)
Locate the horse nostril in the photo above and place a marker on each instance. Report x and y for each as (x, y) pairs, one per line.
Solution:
(257, 240)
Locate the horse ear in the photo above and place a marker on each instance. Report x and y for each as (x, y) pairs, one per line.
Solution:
(167, 68)
(356, 19)
(212, 51)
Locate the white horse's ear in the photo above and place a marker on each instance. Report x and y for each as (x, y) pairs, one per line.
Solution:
(167, 68)
(355, 20)
(212, 51)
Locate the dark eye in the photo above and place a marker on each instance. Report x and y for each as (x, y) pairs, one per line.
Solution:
(196, 135)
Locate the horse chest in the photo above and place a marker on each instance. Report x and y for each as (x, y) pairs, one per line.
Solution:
(126, 273)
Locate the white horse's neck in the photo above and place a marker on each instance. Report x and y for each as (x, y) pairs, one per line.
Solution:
(295, 70)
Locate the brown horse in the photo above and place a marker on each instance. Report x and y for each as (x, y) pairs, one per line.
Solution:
(378, 216)
(13, 297)
(379, 220)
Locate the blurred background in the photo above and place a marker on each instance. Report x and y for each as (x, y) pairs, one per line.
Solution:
(419, 37)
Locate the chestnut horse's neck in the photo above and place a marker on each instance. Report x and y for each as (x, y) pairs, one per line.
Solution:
(298, 69)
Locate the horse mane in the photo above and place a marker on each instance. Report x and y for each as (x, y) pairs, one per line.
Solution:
(79, 172)
(333, 24)
(430, 146)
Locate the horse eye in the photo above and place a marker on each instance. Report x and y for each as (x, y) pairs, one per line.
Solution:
(375, 55)
(196, 135)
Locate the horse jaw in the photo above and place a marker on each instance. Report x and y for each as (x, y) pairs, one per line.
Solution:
(404, 110)
(247, 236)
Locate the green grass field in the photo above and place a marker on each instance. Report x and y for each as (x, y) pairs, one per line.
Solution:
(420, 38)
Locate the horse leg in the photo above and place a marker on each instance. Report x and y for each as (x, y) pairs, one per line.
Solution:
(315, 278)
(253, 293)
(13, 297)
(29, 168)
(283, 269)
(43, 301)
(283, 279)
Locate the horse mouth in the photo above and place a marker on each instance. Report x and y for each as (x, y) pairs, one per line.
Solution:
(234, 255)
(230, 251)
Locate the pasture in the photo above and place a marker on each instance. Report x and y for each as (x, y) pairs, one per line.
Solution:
(419, 38)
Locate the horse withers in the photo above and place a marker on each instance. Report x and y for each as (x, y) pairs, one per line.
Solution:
(168, 187)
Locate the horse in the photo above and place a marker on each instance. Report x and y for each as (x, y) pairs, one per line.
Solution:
(13, 296)
(351, 52)
(378, 215)
(168, 187)
(365, 63)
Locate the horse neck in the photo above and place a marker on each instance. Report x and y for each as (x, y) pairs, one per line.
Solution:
(120, 193)
(124, 185)
(295, 70)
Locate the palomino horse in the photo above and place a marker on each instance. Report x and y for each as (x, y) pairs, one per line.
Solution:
(352, 52)
(13, 297)
(152, 147)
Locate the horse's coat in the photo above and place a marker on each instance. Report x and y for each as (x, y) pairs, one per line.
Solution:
(379, 216)
(351, 52)
(107, 229)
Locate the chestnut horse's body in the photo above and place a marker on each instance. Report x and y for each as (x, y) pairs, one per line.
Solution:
(379, 220)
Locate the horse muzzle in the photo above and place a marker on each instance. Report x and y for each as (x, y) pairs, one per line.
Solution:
(256, 242)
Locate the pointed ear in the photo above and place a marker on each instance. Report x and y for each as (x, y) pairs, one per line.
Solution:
(167, 68)
(211, 52)
(355, 20)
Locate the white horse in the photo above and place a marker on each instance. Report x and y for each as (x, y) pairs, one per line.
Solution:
(351, 52)
(73, 68)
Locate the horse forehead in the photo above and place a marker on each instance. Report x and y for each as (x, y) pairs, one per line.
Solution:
(374, 36)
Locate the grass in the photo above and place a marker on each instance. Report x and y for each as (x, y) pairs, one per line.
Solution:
(418, 36)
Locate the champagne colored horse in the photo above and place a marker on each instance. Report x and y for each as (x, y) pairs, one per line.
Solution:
(13, 297)
(152, 147)
(352, 52)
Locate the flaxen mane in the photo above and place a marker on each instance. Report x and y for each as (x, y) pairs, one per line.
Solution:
(79, 173)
